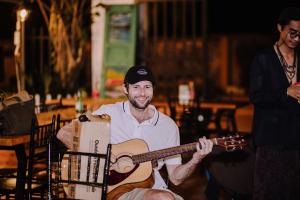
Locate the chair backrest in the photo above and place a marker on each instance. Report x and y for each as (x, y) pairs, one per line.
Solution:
(56, 143)
(45, 107)
(78, 175)
(228, 116)
(82, 171)
(61, 122)
(37, 156)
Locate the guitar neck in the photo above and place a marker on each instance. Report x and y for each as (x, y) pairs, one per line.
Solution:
(156, 155)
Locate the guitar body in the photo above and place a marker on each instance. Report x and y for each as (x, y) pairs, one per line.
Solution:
(126, 175)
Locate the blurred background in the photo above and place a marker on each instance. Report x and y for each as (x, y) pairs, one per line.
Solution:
(199, 50)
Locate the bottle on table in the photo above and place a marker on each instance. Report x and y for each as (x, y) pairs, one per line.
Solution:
(79, 103)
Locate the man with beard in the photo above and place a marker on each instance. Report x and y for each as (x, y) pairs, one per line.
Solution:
(137, 118)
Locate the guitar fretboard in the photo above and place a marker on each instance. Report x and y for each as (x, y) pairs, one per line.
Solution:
(156, 155)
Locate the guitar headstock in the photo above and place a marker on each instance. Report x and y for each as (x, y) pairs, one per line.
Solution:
(231, 143)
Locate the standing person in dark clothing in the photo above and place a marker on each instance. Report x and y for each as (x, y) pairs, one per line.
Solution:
(276, 123)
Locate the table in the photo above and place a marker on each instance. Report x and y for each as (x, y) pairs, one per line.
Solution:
(65, 114)
(216, 116)
(17, 143)
(222, 113)
(89, 103)
(215, 106)
(94, 103)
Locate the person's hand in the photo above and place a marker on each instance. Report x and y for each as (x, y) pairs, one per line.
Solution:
(204, 147)
(294, 91)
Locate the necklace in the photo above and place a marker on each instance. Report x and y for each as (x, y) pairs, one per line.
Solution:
(290, 70)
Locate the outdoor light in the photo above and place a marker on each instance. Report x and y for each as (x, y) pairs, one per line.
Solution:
(23, 14)
(19, 42)
(23, 11)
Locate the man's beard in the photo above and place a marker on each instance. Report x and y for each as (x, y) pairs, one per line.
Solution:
(135, 104)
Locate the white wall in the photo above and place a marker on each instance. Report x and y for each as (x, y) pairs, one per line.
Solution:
(97, 46)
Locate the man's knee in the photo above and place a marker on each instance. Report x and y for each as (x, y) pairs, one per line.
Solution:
(158, 194)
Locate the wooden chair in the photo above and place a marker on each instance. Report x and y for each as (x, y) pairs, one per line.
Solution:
(61, 177)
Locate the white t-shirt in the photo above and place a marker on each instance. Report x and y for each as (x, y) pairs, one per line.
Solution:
(159, 132)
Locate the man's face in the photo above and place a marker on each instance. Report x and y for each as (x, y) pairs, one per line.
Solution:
(291, 34)
(140, 94)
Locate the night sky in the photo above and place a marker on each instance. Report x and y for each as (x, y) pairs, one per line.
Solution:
(224, 16)
(7, 19)
(239, 16)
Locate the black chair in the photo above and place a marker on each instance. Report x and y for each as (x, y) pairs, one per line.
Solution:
(194, 124)
(56, 143)
(8, 184)
(37, 159)
(62, 180)
(227, 116)
(172, 107)
(36, 178)
(61, 122)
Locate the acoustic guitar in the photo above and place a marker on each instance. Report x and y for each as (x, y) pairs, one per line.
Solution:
(131, 163)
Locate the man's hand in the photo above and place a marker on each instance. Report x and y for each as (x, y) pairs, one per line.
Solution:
(205, 147)
(178, 173)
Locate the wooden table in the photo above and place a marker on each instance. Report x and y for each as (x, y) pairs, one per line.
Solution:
(215, 106)
(89, 103)
(65, 113)
(222, 113)
(223, 116)
(94, 103)
(17, 144)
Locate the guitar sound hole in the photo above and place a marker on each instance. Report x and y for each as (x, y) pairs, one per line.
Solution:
(124, 164)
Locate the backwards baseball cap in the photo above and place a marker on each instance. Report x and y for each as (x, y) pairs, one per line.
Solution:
(139, 73)
(288, 14)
